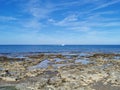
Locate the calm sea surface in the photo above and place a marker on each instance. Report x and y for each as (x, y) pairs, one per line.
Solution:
(59, 48)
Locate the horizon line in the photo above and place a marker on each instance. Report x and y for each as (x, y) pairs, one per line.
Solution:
(59, 44)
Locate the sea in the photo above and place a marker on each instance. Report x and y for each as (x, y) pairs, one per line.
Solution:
(8, 49)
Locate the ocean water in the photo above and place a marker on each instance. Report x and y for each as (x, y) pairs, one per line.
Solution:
(4, 49)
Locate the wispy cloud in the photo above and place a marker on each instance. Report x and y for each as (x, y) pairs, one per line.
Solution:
(83, 21)
(69, 20)
(60, 21)
(33, 25)
(37, 12)
(38, 9)
(7, 18)
(88, 19)
(89, 22)
(103, 5)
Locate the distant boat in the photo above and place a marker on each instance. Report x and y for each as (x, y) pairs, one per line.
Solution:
(62, 44)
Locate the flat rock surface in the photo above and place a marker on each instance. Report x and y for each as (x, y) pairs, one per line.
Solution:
(61, 72)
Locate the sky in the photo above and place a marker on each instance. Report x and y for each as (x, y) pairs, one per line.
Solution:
(59, 22)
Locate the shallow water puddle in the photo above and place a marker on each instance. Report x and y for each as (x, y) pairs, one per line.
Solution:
(47, 63)
(58, 60)
(84, 54)
(117, 57)
(84, 61)
(1, 68)
(69, 56)
(43, 64)
(61, 65)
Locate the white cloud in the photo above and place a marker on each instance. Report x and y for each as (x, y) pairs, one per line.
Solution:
(80, 28)
(32, 25)
(38, 9)
(7, 18)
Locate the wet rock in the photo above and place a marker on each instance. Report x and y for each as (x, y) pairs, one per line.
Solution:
(36, 56)
(3, 58)
(103, 55)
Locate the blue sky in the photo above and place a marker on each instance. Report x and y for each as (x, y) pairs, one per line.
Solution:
(59, 21)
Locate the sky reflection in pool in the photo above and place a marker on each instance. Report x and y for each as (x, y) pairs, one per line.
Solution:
(43, 64)
(84, 61)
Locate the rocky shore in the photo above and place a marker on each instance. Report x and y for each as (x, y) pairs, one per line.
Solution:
(96, 71)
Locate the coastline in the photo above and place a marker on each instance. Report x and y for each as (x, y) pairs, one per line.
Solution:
(59, 71)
